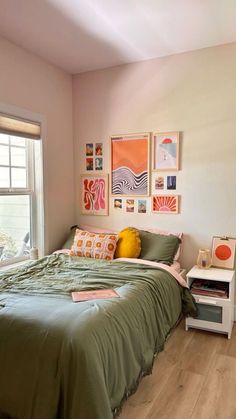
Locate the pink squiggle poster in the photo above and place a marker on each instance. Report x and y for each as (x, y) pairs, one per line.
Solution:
(99, 194)
(94, 195)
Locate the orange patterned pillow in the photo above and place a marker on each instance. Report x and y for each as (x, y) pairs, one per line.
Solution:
(92, 245)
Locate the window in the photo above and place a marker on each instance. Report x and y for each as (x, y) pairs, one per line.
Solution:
(20, 192)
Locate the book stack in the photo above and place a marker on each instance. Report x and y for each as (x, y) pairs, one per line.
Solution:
(210, 288)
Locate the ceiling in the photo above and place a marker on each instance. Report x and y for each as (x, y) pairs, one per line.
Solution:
(83, 35)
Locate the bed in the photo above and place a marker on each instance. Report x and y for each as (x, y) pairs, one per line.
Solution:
(66, 360)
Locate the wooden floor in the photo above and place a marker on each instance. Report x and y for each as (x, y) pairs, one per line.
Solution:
(193, 378)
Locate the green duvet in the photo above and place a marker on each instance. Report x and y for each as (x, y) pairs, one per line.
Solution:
(60, 359)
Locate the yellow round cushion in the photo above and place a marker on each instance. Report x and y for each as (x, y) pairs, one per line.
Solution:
(129, 244)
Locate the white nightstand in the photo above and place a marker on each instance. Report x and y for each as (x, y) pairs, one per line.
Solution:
(216, 314)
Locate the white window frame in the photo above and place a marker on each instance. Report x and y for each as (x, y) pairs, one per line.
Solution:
(36, 191)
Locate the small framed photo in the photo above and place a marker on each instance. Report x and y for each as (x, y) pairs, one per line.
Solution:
(159, 183)
(98, 149)
(98, 163)
(171, 183)
(165, 151)
(129, 205)
(165, 204)
(94, 194)
(118, 203)
(142, 206)
(89, 149)
(223, 252)
(89, 163)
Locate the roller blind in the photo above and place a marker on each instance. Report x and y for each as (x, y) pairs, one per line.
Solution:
(19, 127)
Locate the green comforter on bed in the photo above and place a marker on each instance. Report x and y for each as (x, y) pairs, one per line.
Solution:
(60, 359)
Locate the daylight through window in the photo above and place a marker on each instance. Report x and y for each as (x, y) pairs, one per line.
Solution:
(19, 196)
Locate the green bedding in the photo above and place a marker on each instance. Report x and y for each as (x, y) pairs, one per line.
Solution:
(68, 360)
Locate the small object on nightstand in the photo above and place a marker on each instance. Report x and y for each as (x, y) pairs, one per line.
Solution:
(204, 259)
(213, 291)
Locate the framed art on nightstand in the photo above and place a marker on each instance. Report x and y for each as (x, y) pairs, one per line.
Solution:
(223, 252)
(165, 151)
(94, 194)
(130, 164)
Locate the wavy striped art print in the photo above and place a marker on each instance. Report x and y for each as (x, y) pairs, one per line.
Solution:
(94, 194)
(130, 164)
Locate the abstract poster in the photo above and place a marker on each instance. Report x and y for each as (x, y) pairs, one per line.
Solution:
(94, 194)
(166, 151)
(165, 204)
(130, 164)
(223, 252)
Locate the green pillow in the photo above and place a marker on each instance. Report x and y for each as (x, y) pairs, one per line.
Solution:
(158, 248)
(70, 239)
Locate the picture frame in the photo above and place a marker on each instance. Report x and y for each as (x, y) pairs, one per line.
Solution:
(89, 149)
(130, 165)
(142, 206)
(89, 164)
(118, 204)
(165, 151)
(165, 204)
(94, 194)
(223, 252)
(130, 204)
(163, 182)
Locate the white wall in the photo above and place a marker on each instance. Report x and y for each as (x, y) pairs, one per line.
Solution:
(28, 82)
(194, 93)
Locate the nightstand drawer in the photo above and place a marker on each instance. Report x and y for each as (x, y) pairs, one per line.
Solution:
(210, 313)
(213, 291)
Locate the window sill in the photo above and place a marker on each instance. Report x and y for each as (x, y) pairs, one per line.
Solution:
(13, 265)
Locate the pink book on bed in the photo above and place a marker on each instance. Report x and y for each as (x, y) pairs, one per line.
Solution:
(93, 295)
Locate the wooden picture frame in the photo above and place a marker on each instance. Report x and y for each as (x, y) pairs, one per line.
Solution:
(130, 166)
(165, 204)
(94, 194)
(165, 151)
(223, 252)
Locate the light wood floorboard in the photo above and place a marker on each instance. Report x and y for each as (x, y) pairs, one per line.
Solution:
(193, 378)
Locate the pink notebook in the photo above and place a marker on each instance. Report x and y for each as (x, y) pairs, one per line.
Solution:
(93, 295)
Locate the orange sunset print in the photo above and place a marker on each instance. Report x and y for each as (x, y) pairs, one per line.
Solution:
(165, 204)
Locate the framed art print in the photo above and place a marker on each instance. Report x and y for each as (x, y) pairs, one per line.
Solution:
(89, 149)
(165, 151)
(165, 204)
(142, 206)
(163, 183)
(223, 252)
(94, 193)
(130, 164)
(118, 204)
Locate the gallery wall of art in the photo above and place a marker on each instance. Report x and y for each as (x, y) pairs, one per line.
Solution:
(188, 95)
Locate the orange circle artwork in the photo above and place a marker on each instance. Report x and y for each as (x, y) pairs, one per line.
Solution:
(223, 252)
